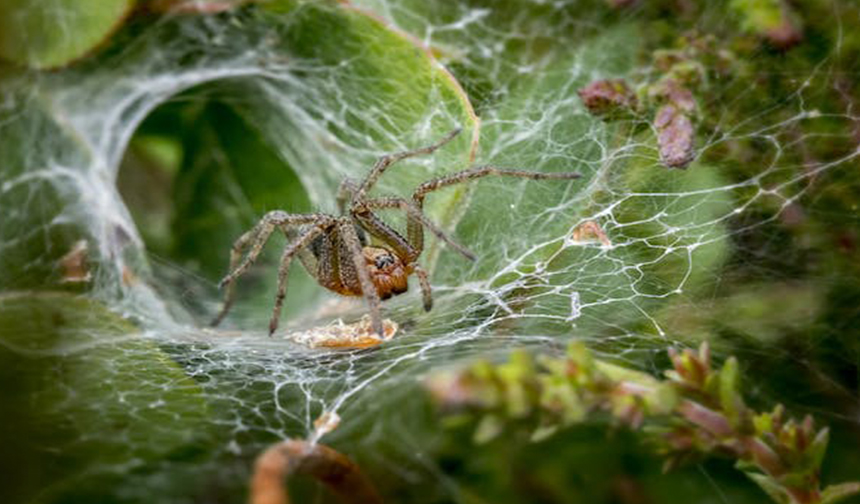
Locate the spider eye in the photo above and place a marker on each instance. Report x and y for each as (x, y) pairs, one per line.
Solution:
(384, 260)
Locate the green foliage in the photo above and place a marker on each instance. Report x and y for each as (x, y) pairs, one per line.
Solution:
(264, 105)
(770, 19)
(83, 389)
(695, 411)
(53, 33)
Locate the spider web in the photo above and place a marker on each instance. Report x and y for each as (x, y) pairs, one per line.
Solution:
(671, 237)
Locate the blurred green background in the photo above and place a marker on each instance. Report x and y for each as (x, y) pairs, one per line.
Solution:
(156, 132)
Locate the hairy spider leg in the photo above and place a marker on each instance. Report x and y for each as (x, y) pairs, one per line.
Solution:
(349, 236)
(379, 229)
(284, 270)
(305, 255)
(424, 282)
(257, 238)
(235, 254)
(345, 194)
(415, 214)
(414, 230)
(389, 159)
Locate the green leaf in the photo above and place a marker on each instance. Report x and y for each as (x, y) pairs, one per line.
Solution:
(488, 429)
(730, 397)
(767, 313)
(230, 177)
(53, 33)
(516, 377)
(85, 393)
(836, 493)
(543, 432)
(818, 448)
(31, 140)
(773, 489)
(58, 184)
(760, 16)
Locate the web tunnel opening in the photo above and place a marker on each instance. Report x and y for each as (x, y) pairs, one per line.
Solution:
(195, 176)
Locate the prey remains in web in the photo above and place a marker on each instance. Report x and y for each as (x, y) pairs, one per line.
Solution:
(357, 253)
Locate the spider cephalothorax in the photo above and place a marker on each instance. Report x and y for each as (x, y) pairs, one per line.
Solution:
(335, 250)
(387, 272)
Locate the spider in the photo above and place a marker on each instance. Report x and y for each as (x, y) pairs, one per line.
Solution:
(336, 251)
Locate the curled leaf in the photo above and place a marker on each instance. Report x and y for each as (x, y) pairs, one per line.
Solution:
(53, 33)
(324, 464)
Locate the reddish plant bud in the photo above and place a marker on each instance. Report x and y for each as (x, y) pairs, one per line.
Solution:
(784, 35)
(674, 136)
(608, 97)
(709, 420)
(765, 458)
(673, 92)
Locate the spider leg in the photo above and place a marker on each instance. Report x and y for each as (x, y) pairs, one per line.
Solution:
(415, 214)
(483, 171)
(284, 270)
(345, 193)
(347, 232)
(376, 227)
(306, 257)
(413, 226)
(389, 159)
(235, 254)
(424, 282)
(264, 229)
(257, 238)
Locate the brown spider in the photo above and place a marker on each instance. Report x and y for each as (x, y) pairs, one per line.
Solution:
(335, 250)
